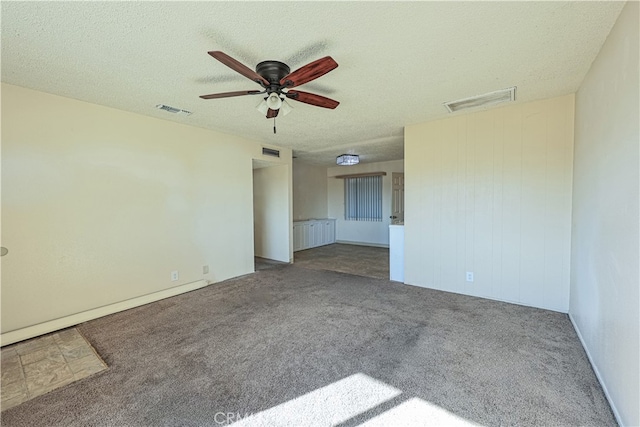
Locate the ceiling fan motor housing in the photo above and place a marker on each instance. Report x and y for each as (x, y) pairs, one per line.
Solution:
(273, 72)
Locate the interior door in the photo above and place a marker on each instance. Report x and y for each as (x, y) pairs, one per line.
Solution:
(397, 198)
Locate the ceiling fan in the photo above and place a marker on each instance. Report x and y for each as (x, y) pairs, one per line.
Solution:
(277, 81)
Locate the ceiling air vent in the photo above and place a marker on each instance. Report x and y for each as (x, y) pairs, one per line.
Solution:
(173, 110)
(491, 98)
(270, 152)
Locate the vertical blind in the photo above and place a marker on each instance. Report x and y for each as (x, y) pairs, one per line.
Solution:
(363, 198)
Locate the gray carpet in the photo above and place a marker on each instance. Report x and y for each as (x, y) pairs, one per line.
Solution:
(266, 264)
(367, 261)
(347, 343)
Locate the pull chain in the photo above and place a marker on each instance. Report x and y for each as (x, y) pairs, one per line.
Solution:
(274, 125)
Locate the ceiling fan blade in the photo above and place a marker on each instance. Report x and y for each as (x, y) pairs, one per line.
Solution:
(312, 98)
(230, 94)
(238, 66)
(309, 72)
(272, 113)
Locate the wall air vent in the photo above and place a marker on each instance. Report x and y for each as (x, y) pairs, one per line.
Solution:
(270, 152)
(491, 98)
(173, 110)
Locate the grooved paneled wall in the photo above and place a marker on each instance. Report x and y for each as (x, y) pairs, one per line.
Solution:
(490, 193)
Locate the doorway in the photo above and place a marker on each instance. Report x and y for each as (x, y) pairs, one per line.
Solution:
(271, 216)
(397, 198)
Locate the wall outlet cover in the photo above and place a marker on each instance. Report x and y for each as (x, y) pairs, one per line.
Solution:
(174, 276)
(205, 269)
(469, 276)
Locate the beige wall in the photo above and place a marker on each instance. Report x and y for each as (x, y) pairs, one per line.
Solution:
(100, 205)
(490, 193)
(605, 299)
(309, 191)
(271, 213)
(361, 232)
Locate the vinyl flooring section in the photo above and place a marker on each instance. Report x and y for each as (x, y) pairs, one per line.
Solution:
(43, 364)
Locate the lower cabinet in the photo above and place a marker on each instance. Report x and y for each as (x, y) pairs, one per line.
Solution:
(300, 231)
(313, 233)
(329, 231)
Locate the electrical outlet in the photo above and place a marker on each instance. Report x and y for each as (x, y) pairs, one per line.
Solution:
(205, 269)
(469, 276)
(174, 276)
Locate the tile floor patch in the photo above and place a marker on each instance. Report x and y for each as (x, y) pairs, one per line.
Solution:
(76, 353)
(51, 352)
(40, 365)
(33, 344)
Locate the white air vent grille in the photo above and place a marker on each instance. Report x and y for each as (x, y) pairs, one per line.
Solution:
(491, 98)
(173, 110)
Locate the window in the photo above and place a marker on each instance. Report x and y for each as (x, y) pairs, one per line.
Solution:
(363, 198)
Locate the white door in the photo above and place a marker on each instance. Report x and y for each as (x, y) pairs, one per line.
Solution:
(397, 198)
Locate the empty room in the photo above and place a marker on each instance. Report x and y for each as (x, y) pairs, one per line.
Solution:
(320, 213)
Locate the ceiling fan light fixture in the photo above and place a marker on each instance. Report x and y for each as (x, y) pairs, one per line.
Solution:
(286, 108)
(262, 107)
(348, 159)
(274, 102)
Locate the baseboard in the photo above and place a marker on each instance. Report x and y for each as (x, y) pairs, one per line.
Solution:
(350, 242)
(597, 372)
(74, 319)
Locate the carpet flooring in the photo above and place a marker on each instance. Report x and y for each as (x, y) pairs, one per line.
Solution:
(296, 346)
(367, 261)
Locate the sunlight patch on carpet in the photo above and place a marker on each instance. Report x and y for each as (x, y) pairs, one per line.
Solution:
(417, 413)
(329, 405)
(347, 399)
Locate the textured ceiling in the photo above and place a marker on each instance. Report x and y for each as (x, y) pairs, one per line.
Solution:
(398, 61)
